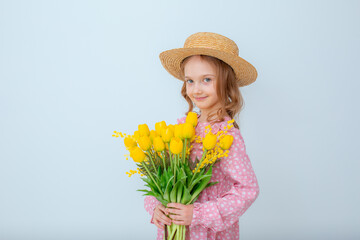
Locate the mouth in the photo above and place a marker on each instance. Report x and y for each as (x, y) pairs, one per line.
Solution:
(200, 98)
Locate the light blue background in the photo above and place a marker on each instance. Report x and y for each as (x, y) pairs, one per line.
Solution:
(72, 72)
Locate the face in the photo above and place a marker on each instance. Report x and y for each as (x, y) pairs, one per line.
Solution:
(200, 78)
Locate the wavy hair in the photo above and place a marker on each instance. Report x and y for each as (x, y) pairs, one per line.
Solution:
(226, 88)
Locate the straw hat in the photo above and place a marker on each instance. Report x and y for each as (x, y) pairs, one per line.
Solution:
(212, 44)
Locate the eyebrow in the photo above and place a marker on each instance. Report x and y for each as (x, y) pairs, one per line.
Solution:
(203, 75)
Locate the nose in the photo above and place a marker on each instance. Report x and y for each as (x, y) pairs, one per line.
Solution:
(197, 87)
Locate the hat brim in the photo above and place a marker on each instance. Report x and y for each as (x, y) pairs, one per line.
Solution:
(244, 71)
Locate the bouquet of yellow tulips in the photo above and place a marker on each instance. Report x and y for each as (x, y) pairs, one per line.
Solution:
(162, 159)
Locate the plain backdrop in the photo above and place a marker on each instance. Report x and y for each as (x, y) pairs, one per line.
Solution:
(72, 72)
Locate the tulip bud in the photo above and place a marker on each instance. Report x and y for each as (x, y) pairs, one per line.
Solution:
(158, 144)
(172, 127)
(129, 143)
(136, 135)
(188, 130)
(137, 154)
(144, 130)
(178, 132)
(153, 134)
(166, 134)
(176, 145)
(192, 118)
(144, 142)
(159, 126)
(209, 141)
(226, 142)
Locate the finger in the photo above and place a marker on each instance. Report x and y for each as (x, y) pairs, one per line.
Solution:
(166, 221)
(175, 205)
(178, 222)
(161, 207)
(173, 211)
(176, 218)
(163, 218)
(157, 224)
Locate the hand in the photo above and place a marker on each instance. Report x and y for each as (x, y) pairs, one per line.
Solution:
(179, 213)
(159, 217)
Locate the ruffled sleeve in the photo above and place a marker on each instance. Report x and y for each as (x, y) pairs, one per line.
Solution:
(181, 120)
(150, 203)
(223, 212)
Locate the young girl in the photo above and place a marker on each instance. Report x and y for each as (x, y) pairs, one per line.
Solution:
(212, 71)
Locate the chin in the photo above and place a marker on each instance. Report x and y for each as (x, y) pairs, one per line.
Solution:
(202, 106)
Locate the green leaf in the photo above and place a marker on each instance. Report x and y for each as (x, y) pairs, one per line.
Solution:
(189, 174)
(161, 199)
(167, 190)
(211, 184)
(150, 183)
(196, 180)
(159, 172)
(173, 192)
(202, 184)
(179, 192)
(142, 190)
(186, 197)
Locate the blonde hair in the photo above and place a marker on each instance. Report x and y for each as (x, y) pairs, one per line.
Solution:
(227, 90)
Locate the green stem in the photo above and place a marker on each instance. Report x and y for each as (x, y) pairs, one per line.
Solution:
(198, 166)
(175, 168)
(173, 231)
(163, 158)
(171, 163)
(152, 161)
(184, 232)
(152, 178)
(184, 151)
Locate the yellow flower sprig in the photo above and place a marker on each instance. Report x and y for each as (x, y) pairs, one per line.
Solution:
(132, 172)
(216, 145)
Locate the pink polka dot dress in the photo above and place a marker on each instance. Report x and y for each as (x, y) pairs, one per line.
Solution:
(218, 208)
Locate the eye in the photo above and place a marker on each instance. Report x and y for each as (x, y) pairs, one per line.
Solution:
(208, 79)
(188, 81)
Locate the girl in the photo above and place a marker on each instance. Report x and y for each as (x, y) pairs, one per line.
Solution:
(212, 73)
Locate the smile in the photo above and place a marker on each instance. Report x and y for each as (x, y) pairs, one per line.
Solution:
(201, 98)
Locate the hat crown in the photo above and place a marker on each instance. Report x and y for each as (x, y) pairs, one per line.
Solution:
(213, 41)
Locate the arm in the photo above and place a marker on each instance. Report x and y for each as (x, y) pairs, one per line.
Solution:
(150, 203)
(221, 213)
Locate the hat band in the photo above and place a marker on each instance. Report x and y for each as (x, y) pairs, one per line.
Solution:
(225, 46)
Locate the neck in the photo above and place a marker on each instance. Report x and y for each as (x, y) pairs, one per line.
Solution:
(202, 118)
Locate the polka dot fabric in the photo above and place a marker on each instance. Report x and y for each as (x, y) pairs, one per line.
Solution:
(218, 208)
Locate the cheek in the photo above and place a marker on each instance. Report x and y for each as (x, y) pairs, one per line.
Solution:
(210, 90)
(188, 91)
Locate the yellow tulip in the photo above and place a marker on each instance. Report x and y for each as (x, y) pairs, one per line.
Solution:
(158, 144)
(166, 134)
(144, 142)
(192, 118)
(137, 154)
(176, 145)
(129, 143)
(226, 142)
(178, 131)
(136, 135)
(209, 141)
(153, 134)
(188, 130)
(159, 126)
(172, 127)
(144, 130)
